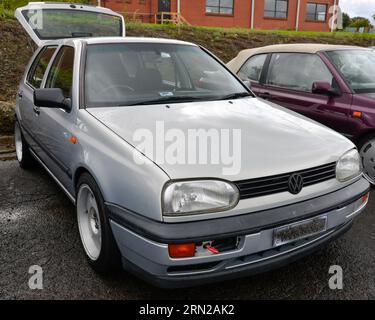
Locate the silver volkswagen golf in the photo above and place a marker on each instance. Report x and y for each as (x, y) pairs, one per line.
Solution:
(177, 172)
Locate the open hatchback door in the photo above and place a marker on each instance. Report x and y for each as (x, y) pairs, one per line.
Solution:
(46, 21)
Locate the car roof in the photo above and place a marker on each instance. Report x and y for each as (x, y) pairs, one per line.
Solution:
(134, 40)
(109, 40)
(313, 48)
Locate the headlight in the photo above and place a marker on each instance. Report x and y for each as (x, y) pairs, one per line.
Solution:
(348, 166)
(200, 196)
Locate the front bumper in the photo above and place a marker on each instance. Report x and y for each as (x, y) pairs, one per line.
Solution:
(144, 243)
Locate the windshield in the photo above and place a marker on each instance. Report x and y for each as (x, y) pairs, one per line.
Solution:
(357, 67)
(151, 73)
(65, 23)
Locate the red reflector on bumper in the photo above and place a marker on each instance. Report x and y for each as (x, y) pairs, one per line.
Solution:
(365, 197)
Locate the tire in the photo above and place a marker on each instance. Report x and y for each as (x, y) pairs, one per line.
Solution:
(94, 228)
(24, 157)
(366, 147)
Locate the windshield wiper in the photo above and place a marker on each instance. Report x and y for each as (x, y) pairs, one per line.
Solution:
(170, 99)
(237, 95)
(174, 99)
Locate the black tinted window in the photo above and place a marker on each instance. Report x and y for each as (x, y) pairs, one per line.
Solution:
(252, 69)
(61, 73)
(39, 67)
(297, 71)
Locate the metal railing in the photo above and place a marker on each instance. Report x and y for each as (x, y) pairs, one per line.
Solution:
(170, 18)
(158, 18)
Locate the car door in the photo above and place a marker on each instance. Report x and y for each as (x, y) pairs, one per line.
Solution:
(289, 82)
(33, 80)
(251, 71)
(55, 126)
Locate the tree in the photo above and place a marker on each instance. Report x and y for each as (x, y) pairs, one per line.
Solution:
(360, 22)
(346, 21)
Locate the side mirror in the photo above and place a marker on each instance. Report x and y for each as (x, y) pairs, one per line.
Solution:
(322, 87)
(51, 98)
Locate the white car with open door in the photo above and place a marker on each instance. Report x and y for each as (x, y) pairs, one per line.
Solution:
(83, 98)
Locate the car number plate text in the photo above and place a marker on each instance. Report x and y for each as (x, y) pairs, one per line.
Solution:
(299, 230)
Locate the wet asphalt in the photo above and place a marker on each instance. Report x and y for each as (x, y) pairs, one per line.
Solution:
(38, 227)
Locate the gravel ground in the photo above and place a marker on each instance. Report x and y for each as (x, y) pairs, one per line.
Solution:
(38, 227)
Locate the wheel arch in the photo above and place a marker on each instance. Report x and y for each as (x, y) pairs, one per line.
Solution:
(363, 137)
(78, 173)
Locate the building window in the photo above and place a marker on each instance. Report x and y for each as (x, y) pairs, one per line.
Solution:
(276, 9)
(316, 12)
(219, 6)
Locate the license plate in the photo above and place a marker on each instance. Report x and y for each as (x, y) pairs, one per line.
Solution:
(299, 230)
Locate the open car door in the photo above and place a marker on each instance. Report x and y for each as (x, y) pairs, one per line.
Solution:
(45, 21)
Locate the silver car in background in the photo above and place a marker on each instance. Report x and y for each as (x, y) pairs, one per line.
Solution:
(83, 104)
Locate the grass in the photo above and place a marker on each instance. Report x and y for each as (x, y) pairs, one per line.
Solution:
(241, 31)
(6, 13)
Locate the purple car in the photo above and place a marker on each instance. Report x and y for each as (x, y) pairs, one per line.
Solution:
(334, 85)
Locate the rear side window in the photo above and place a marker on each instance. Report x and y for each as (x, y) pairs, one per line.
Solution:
(61, 73)
(39, 67)
(297, 71)
(252, 69)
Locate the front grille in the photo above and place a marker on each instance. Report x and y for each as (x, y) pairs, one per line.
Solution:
(279, 183)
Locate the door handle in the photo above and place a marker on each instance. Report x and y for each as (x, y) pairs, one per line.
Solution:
(36, 110)
(265, 95)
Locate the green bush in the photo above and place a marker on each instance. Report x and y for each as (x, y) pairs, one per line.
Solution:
(11, 5)
(14, 4)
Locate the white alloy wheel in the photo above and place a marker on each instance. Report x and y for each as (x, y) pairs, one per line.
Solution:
(89, 222)
(18, 142)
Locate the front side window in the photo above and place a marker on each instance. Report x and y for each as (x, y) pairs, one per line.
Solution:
(357, 67)
(61, 73)
(145, 73)
(316, 12)
(39, 67)
(219, 6)
(252, 69)
(298, 71)
(276, 9)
